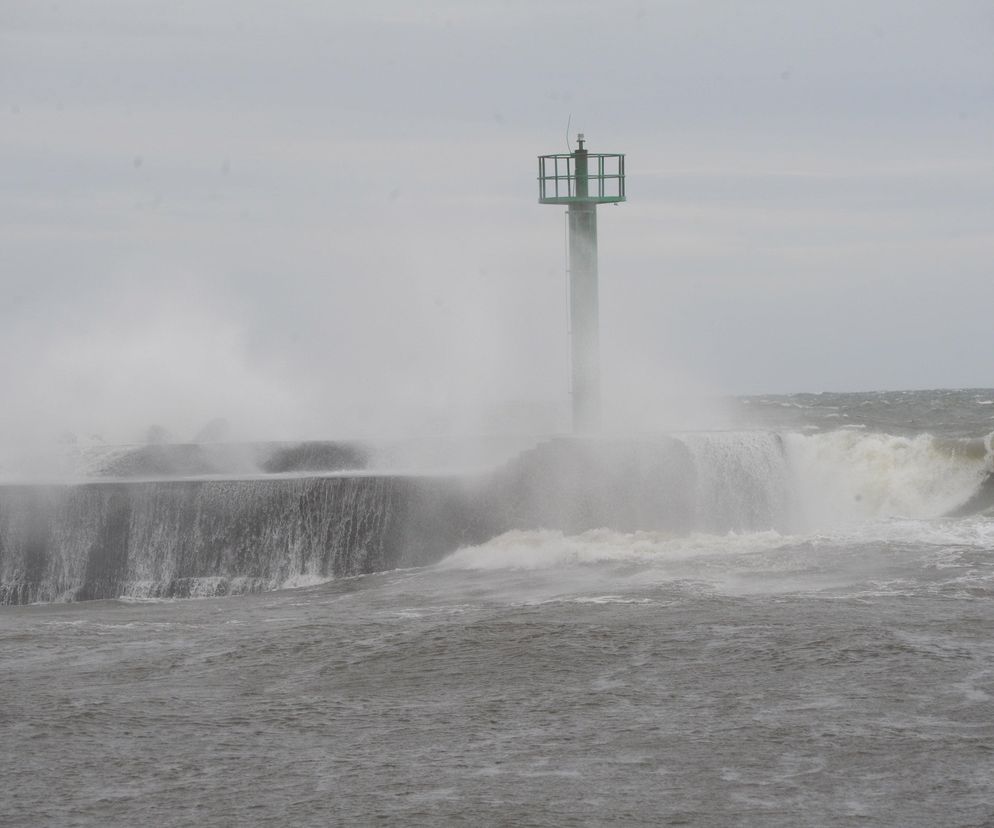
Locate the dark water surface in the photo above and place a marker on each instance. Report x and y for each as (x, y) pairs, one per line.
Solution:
(514, 697)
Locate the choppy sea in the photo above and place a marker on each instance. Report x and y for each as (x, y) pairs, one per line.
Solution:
(837, 670)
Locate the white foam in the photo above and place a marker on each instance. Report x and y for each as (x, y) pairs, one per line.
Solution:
(846, 477)
(546, 549)
(305, 579)
(604, 567)
(975, 533)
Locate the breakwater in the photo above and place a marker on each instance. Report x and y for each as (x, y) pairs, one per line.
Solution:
(198, 537)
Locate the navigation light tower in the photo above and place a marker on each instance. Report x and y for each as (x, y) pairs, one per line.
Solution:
(581, 180)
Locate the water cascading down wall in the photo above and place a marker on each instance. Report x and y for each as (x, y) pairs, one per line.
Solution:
(201, 537)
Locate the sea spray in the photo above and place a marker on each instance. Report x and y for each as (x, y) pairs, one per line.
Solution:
(847, 476)
(195, 538)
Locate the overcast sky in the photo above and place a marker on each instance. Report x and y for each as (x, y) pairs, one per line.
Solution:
(320, 218)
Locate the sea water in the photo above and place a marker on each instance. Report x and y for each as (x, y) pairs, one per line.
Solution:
(830, 664)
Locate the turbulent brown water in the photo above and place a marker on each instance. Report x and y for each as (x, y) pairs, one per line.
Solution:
(834, 667)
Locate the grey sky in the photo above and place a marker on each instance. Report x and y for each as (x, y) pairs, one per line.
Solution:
(320, 218)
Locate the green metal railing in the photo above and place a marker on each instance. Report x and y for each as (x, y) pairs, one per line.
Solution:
(601, 180)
